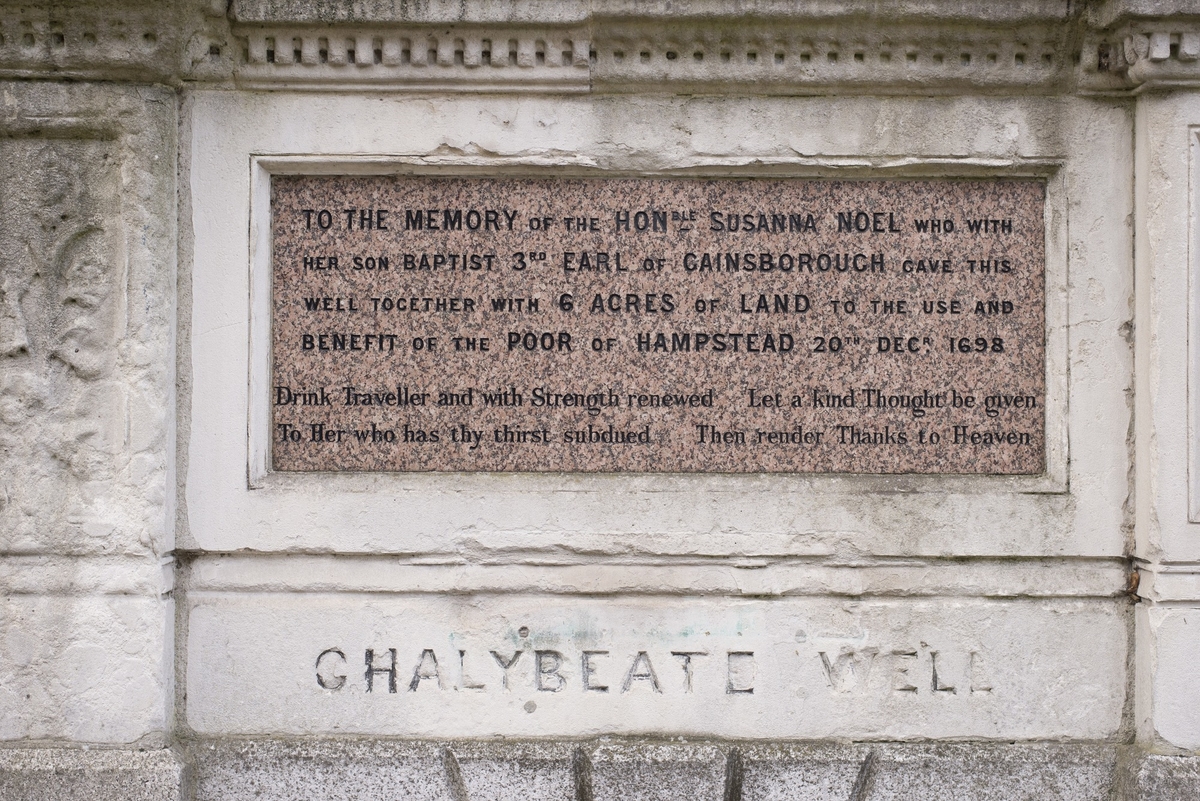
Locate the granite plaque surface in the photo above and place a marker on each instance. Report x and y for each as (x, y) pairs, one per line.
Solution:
(638, 325)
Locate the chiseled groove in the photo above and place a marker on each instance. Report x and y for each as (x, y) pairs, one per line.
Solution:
(454, 777)
(865, 779)
(581, 774)
(991, 578)
(733, 775)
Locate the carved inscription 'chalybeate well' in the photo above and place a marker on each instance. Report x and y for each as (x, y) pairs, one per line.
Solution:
(614, 325)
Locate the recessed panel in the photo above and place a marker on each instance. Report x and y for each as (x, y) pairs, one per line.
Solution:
(566, 666)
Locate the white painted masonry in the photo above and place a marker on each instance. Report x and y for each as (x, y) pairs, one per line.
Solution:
(657, 526)
(86, 466)
(748, 669)
(417, 513)
(178, 622)
(1168, 459)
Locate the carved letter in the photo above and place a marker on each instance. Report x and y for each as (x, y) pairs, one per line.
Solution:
(427, 668)
(936, 686)
(464, 680)
(549, 680)
(642, 670)
(900, 682)
(843, 673)
(979, 682)
(372, 670)
(505, 665)
(740, 674)
(335, 681)
(589, 669)
(686, 658)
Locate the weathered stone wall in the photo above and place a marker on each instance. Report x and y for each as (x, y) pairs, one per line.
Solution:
(86, 383)
(180, 622)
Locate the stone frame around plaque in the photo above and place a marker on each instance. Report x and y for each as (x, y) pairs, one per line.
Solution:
(1192, 423)
(263, 168)
(233, 502)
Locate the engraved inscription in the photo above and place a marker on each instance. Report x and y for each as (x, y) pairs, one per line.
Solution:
(566, 665)
(851, 670)
(604, 325)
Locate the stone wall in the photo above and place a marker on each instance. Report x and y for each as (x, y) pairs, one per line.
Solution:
(88, 373)
(181, 622)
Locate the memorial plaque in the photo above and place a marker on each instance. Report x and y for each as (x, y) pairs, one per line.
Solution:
(637, 325)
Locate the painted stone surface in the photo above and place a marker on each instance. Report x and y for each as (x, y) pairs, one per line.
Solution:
(478, 666)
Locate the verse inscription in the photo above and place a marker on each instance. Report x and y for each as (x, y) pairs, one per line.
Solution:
(605, 325)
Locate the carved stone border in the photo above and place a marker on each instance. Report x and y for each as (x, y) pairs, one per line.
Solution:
(1053, 480)
(371, 58)
(1155, 55)
(721, 54)
(608, 49)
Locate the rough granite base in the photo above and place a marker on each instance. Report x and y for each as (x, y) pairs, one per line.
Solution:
(337, 770)
(603, 770)
(41, 774)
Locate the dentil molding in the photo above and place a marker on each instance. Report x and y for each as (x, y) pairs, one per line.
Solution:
(694, 46)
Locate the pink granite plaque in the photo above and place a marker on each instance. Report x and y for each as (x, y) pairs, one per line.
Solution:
(670, 326)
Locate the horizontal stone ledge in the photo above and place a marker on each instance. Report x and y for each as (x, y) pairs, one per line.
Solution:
(777, 54)
(735, 576)
(51, 574)
(37, 774)
(601, 770)
(520, 666)
(332, 770)
(766, 46)
(574, 11)
(706, 47)
(1177, 583)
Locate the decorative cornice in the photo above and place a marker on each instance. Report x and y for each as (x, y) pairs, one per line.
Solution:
(134, 40)
(1157, 54)
(615, 55)
(378, 57)
(686, 46)
(36, 40)
(849, 56)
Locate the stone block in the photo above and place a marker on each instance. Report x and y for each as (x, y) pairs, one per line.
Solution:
(753, 415)
(658, 772)
(802, 772)
(529, 771)
(87, 287)
(480, 666)
(88, 668)
(979, 772)
(954, 772)
(39, 774)
(320, 771)
(1167, 778)
(1175, 668)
